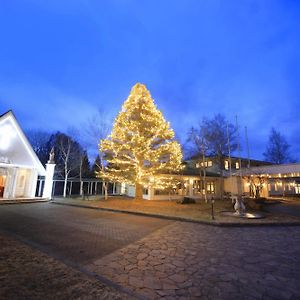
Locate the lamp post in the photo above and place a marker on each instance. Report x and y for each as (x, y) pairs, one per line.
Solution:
(212, 208)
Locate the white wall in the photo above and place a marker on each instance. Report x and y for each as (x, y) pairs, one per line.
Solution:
(20, 183)
(10, 184)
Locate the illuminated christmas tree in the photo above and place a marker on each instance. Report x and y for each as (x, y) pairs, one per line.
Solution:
(141, 149)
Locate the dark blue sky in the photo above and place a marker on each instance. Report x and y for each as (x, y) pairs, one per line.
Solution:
(61, 60)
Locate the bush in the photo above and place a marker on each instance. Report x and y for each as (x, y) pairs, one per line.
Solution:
(252, 204)
(187, 200)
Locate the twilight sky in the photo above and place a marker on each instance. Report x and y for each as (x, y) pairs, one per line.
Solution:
(60, 60)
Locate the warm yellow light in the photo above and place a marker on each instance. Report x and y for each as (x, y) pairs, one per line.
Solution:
(141, 144)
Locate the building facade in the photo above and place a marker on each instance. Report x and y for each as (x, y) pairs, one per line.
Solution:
(261, 179)
(19, 165)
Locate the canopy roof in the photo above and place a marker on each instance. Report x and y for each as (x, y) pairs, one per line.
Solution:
(284, 169)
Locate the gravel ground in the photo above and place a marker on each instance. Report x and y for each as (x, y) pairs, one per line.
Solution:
(194, 212)
(26, 273)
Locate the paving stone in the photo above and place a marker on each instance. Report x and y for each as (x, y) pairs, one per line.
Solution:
(152, 283)
(166, 292)
(136, 282)
(202, 261)
(142, 256)
(179, 278)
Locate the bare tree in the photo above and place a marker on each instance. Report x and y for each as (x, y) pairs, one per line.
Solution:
(69, 156)
(96, 129)
(215, 132)
(197, 137)
(277, 150)
(39, 141)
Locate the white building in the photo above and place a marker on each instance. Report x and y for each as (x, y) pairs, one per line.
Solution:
(275, 180)
(19, 165)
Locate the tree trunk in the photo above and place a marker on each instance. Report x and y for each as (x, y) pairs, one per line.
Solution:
(222, 187)
(65, 186)
(81, 188)
(221, 162)
(80, 177)
(105, 184)
(138, 191)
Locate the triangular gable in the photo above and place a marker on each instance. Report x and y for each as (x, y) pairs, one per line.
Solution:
(15, 148)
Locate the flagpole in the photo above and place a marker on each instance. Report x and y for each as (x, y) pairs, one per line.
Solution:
(247, 143)
(239, 154)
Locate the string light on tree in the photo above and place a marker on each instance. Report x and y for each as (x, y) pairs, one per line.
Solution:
(141, 145)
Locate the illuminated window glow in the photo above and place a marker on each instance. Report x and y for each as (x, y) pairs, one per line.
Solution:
(210, 187)
(226, 164)
(206, 164)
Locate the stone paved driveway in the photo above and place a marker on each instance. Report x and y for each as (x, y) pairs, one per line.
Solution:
(75, 234)
(192, 261)
(165, 259)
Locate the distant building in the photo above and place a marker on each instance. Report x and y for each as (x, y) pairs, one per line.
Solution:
(275, 180)
(261, 177)
(212, 164)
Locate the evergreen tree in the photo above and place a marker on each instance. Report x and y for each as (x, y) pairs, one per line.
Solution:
(277, 150)
(85, 167)
(96, 167)
(141, 145)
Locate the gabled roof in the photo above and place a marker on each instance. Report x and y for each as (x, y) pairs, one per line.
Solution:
(15, 148)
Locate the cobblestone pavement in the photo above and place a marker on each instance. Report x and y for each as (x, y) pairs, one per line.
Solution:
(157, 258)
(193, 261)
(26, 273)
(75, 234)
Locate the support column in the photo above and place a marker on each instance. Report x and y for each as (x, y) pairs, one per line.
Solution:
(40, 188)
(10, 184)
(190, 191)
(47, 193)
(31, 183)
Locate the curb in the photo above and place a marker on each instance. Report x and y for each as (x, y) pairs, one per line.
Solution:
(3, 202)
(181, 219)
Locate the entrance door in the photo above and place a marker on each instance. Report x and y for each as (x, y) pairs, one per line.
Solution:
(2, 185)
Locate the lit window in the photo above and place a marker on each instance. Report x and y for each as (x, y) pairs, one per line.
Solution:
(237, 165)
(297, 188)
(210, 187)
(226, 164)
(206, 164)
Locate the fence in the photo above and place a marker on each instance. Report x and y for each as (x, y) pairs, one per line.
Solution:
(90, 186)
